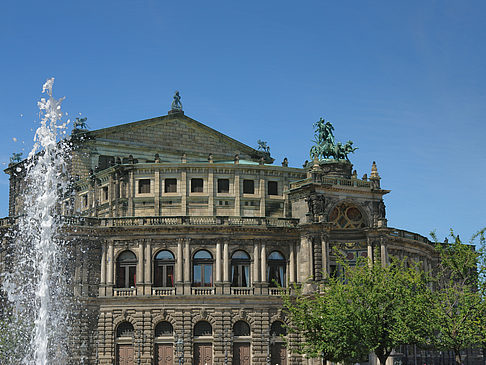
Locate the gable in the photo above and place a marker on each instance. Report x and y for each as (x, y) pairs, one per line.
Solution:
(172, 135)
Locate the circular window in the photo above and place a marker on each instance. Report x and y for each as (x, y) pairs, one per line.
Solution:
(347, 216)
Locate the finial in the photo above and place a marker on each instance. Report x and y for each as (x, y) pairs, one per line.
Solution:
(184, 158)
(210, 158)
(157, 158)
(176, 106)
(354, 175)
(285, 162)
(237, 159)
(374, 171)
(365, 177)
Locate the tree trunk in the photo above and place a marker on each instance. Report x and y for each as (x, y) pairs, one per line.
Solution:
(457, 355)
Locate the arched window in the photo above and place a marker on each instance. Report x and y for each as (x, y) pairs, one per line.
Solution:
(203, 328)
(202, 273)
(241, 328)
(240, 269)
(163, 329)
(278, 329)
(126, 270)
(347, 216)
(164, 269)
(124, 329)
(276, 269)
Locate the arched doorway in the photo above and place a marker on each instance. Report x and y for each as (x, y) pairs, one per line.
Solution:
(278, 352)
(124, 344)
(203, 347)
(241, 344)
(164, 344)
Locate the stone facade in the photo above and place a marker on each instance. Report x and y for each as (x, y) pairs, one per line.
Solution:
(182, 237)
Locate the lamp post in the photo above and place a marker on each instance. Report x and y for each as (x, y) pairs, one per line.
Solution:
(180, 348)
(140, 338)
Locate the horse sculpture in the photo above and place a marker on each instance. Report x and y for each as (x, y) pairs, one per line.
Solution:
(325, 147)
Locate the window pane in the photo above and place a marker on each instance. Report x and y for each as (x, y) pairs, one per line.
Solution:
(248, 187)
(170, 186)
(120, 277)
(272, 188)
(223, 185)
(158, 276)
(132, 276)
(196, 185)
(240, 255)
(164, 255)
(197, 275)
(234, 281)
(275, 256)
(208, 275)
(143, 186)
(245, 279)
(203, 254)
(170, 276)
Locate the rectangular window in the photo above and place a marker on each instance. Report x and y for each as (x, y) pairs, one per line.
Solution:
(248, 187)
(170, 186)
(144, 186)
(223, 185)
(105, 192)
(85, 201)
(272, 188)
(196, 185)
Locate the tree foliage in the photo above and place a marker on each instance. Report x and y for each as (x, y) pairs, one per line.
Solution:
(372, 308)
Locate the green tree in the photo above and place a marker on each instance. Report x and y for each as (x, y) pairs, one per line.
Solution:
(458, 305)
(372, 308)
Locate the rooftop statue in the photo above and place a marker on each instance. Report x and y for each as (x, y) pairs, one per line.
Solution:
(263, 146)
(325, 146)
(176, 103)
(80, 123)
(16, 157)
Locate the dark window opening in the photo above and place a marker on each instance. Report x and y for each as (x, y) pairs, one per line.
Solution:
(276, 269)
(196, 185)
(248, 187)
(105, 161)
(85, 200)
(203, 328)
(144, 186)
(223, 185)
(241, 328)
(124, 329)
(170, 186)
(105, 192)
(164, 269)
(272, 188)
(202, 273)
(278, 329)
(240, 269)
(164, 329)
(126, 270)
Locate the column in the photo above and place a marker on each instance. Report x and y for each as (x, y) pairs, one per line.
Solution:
(256, 262)
(370, 251)
(384, 253)
(131, 193)
(325, 255)
(157, 192)
(187, 267)
(237, 212)
(226, 262)
(102, 290)
(211, 192)
(310, 249)
(262, 195)
(292, 264)
(179, 259)
(263, 262)
(218, 262)
(148, 268)
(111, 259)
(183, 193)
(140, 268)
(110, 196)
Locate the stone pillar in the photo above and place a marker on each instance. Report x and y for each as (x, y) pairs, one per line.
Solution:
(304, 268)
(131, 193)
(187, 267)
(384, 253)
(218, 262)
(102, 291)
(179, 260)
(263, 262)
(226, 276)
(111, 264)
(184, 192)
(262, 194)
(148, 268)
(140, 278)
(256, 262)
(157, 192)
(237, 212)
(370, 251)
(292, 264)
(210, 193)
(325, 255)
(110, 195)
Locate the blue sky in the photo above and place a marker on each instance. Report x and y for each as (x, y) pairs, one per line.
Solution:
(404, 80)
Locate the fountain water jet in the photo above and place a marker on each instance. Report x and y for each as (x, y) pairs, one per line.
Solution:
(37, 283)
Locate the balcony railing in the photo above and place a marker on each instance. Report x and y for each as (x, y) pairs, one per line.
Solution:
(278, 291)
(242, 291)
(124, 292)
(202, 291)
(163, 291)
